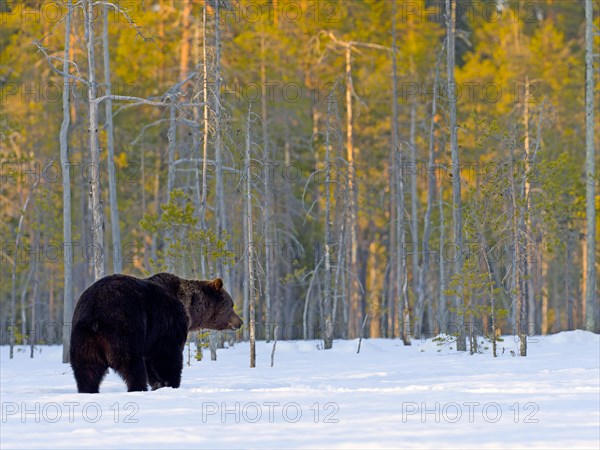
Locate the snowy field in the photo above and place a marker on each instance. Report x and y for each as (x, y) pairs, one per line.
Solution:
(388, 396)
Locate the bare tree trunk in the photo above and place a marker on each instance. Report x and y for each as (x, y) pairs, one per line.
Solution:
(492, 296)
(32, 304)
(13, 298)
(583, 311)
(250, 246)
(567, 275)
(95, 195)
(401, 273)
(393, 262)
(442, 319)
(246, 281)
(402, 283)
(355, 318)
(414, 217)
(307, 329)
(526, 221)
(340, 279)
(517, 260)
(23, 305)
(591, 301)
(205, 133)
(422, 273)
(66, 194)
(327, 307)
(544, 290)
(268, 191)
(196, 137)
(456, 185)
(219, 190)
(375, 295)
(392, 295)
(112, 182)
(172, 143)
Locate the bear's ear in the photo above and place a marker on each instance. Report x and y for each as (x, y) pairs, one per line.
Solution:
(217, 284)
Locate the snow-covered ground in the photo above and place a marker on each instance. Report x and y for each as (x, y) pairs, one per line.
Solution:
(388, 396)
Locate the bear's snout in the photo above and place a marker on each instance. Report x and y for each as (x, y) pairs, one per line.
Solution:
(236, 323)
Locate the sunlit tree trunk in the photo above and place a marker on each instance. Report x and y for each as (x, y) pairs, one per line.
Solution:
(526, 221)
(219, 188)
(66, 194)
(95, 194)
(205, 118)
(393, 257)
(456, 185)
(517, 259)
(328, 318)
(268, 191)
(544, 280)
(13, 298)
(33, 302)
(250, 246)
(401, 271)
(355, 318)
(112, 179)
(591, 300)
(431, 185)
(442, 316)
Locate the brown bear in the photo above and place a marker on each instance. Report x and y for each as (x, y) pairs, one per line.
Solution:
(138, 327)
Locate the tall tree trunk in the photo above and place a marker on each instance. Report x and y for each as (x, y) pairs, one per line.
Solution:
(414, 217)
(250, 246)
(456, 185)
(112, 179)
(33, 302)
(172, 147)
(219, 189)
(247, 266)
(375, 297)
(591, 301)
(544, 291)
(23, 304)
(442, 319)
(422, 273)
(567, 281)
(355, 319)
(517, 259)
(95, 194)
(401, 271)
(268, 190)
(328, 318)
(205, 130)
(391, 293)
(393, 262)
(402, 280)
(66, 194)
(526, 221)
(197, 136)
(13, 298)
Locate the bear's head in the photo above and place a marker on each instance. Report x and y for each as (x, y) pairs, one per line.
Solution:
(211, 307)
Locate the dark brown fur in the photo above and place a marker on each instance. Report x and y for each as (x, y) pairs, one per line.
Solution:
(138, 327)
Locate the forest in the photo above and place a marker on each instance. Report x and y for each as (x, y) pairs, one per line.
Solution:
(350, 168)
